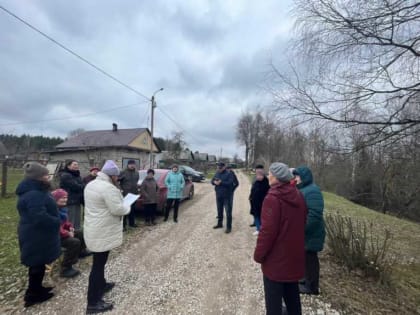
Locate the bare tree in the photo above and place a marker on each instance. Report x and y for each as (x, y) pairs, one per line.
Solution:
(355, 62)
(244, 134)
(75, 132)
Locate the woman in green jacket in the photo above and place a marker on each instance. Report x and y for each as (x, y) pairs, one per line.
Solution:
(314, 228)
(175, 183)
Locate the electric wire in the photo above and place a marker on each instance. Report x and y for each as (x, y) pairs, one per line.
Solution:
(71, 117)
(73, 53)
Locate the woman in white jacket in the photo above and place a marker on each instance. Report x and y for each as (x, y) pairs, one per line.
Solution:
(103, 224)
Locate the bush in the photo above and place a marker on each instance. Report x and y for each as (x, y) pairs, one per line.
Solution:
(358, 245)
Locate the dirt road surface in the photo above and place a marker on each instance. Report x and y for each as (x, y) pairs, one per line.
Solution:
(182, 268)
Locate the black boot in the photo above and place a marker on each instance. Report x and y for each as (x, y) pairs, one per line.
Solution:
(69, 272)
(98, 307)
(32, 298)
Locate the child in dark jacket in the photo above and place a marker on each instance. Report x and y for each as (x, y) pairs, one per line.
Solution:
(72, 241)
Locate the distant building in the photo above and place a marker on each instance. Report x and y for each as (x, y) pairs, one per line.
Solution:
(92, 148)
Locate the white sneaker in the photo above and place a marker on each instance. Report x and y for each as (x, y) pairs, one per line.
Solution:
(256, 233)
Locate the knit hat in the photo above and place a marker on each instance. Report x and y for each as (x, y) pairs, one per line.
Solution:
(94, 169)
(281, 172)
(34, 170)
(58, 194)
(131, 162)
(110, 168)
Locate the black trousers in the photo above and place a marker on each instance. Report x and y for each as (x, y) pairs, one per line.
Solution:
(169, 203)
(224, 203)
(97, 278)
(276, 291)
(35, 277)
(73, 246)
(150, 211)
(312, 271)
(131, 216)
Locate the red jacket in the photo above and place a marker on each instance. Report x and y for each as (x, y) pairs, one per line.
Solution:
(65, 229)
(281, 242)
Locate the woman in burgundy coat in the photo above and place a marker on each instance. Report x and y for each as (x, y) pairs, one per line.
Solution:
(281, 242)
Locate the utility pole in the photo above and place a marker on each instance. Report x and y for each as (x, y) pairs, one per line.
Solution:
(153, 106)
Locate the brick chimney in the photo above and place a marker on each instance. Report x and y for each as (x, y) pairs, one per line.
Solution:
(114, 127)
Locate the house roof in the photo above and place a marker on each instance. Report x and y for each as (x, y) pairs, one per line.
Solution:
(102, 138)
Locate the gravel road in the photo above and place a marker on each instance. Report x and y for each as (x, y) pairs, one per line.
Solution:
(182, 268)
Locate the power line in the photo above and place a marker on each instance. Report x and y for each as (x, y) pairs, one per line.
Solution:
(74, 53)
(176, 123)
(71, 117)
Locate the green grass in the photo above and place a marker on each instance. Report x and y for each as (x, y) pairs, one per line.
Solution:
(357, 294)
(12, 273)
(210, 174)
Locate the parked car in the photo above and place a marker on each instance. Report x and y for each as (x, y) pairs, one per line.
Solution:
(160, 175)
(196, 176)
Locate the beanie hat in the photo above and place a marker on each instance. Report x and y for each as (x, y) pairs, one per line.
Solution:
(131, 162)
(110, 168)
(59, 193)
(281, 172)
(94, 169)
(34, 170)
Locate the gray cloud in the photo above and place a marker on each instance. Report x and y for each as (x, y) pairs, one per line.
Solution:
(209, 56)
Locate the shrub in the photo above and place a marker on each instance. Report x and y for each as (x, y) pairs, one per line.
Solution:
(358, 245)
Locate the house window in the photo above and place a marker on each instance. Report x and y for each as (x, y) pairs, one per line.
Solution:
(126, 159)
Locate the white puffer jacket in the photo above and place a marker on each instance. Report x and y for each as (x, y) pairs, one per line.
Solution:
(104, 209)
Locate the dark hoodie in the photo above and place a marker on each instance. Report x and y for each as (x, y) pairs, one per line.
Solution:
(315, 226)
(39, 224)
(71, 182)
(280, 245)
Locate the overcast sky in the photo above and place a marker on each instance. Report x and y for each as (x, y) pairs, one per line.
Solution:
(209, 56)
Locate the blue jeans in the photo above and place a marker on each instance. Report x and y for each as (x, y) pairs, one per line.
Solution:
(224, 203)
(257, 221)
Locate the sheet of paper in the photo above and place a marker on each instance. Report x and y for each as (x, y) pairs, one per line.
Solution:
(130, 199)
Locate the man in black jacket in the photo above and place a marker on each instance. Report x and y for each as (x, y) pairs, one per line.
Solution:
(128, 183)
(223, 184)
(72, 183)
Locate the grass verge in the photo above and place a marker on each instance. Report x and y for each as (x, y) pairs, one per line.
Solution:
(351, 292)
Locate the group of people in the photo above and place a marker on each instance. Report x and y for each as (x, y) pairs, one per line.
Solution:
(287, 208)
(50, 222)
(288, 216)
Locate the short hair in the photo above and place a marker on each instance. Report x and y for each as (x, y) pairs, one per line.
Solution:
(259, 166)
(150, 171)
(69, 162)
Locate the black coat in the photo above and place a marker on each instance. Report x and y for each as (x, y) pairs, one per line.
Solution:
(128, 181)
(258, 191)
(39, 224)
(71, 182)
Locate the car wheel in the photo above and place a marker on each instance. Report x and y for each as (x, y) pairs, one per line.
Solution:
(191, 193)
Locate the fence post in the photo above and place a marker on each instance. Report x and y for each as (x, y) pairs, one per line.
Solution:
(4, 178)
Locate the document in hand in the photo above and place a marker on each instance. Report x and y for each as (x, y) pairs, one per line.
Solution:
(130, 199)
